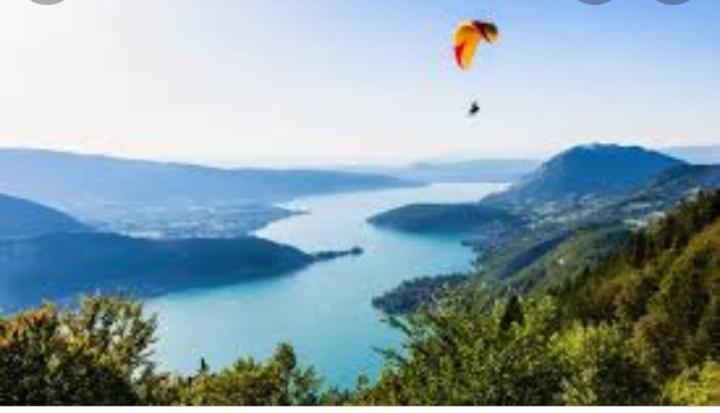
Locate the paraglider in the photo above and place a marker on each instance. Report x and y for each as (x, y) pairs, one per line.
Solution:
(469, 36)
(474, 109)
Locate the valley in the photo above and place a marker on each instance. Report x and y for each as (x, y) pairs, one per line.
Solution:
(300, 271)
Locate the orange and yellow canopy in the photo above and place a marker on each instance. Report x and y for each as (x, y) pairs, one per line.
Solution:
(469, 35)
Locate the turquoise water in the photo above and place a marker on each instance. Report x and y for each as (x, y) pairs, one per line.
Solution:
(325, 310)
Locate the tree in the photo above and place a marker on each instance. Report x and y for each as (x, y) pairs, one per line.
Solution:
(95, 356)
(461, 357)
(697, 386)
(513, 313)
(276, 382)
(600, 368)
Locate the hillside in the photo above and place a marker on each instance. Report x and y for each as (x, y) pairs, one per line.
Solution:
(552, 253)
(669, 188)
(585, 176)
(60, 266)
(676, 256)
(535, 261)
(21, 218)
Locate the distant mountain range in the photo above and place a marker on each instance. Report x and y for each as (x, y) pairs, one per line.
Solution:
(168, 200)
(479, 170)
(698, 155)
(20, 218)
(90, 185)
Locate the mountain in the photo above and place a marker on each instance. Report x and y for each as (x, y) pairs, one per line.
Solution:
(560, 224)
(87, 185)
(549, 255)
(524, 263)
(569, 187)
(479, 170)
(21, 218)
(167, 200)
(698, 155)
(60, 266)
(584, 175)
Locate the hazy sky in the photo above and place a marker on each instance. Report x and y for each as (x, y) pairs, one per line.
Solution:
(353, 79)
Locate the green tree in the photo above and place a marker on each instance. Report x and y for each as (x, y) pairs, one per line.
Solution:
(276, 382)
(600, 368)
(95, 356)
(456, 357)
(697, 386)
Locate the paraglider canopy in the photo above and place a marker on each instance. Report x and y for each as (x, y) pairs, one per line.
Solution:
(469, 35)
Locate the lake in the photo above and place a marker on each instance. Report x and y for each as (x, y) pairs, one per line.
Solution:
(325, 310)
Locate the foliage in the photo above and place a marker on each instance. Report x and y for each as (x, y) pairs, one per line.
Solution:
(411, 296)
(98, 355)
(276, 382)
(698, 386)
(517, 353)
(600, 368)
(459, 357)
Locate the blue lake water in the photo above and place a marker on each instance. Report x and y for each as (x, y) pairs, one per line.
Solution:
(325, 310)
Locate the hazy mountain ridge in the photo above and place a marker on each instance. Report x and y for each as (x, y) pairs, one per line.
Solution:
(168, 200)
(97, 187)
(698, 155)
(468, 171)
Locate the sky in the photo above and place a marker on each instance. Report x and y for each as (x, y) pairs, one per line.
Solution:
(288, 81)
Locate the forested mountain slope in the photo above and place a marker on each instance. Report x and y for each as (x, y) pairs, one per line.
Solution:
(642, 328)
